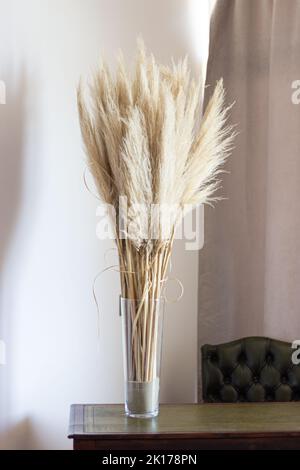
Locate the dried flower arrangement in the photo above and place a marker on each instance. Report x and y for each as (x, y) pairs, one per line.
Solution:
(143, 144)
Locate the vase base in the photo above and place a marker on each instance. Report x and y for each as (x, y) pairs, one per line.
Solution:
(141, 399)
(152, 414)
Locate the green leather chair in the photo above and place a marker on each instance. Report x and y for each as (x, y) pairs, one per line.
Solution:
(250, 370)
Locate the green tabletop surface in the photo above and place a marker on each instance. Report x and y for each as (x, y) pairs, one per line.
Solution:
(201, 419)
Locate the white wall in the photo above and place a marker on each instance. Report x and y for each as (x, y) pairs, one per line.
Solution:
(49, 253)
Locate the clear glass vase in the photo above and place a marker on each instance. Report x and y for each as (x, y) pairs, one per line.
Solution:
(142, 329)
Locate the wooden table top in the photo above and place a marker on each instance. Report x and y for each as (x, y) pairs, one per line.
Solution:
(201, 420)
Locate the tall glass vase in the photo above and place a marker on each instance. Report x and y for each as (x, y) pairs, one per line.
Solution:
(142, 329)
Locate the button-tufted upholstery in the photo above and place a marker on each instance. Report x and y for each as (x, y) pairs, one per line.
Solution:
(250, 369)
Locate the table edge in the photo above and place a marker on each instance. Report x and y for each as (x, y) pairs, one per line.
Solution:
(187, 435)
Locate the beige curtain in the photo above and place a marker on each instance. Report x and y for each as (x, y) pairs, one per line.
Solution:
(250, 264)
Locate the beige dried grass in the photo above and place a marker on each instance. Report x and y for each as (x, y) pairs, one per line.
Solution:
(143, 143)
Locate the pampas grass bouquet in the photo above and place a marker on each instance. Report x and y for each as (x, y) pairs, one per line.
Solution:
(153, 158)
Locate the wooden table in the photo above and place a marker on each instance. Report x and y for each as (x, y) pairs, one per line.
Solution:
(188, 427)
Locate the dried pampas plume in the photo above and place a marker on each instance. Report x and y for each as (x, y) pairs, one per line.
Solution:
(142, 141)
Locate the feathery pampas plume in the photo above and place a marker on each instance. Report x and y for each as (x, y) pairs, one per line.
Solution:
(143, 144)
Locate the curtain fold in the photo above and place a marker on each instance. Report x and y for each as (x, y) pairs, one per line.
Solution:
(249, 268)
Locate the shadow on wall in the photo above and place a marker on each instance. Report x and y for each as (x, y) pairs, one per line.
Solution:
(11, 169)
(18, 437)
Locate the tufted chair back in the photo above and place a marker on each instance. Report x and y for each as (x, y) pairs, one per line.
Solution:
(250, 370)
